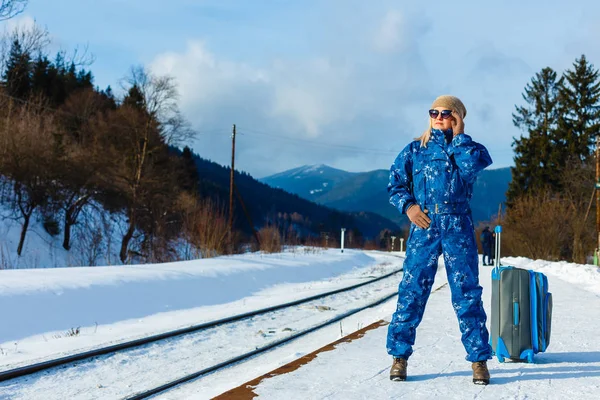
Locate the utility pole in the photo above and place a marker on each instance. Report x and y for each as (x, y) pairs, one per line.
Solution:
(231, 188)
(499, 214)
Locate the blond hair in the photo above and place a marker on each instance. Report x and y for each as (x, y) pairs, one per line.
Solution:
(424, 138)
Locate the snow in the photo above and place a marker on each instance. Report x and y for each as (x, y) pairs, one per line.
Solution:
(115, 303)
(359, 369)
(324, 184)
(42, 250)
(133, 301)
(587, 276)
(313, 168)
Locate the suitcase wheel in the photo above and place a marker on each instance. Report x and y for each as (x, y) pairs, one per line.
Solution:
(530, 358)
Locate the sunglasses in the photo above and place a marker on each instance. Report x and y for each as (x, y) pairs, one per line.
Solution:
(445, 114)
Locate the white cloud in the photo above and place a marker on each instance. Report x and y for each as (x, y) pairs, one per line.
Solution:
(390, 35)
(201, 77)
(307, 96)
(22, 22)
(314, 94)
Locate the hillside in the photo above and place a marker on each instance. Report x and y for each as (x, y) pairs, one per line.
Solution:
(367, 191)
(266, 204)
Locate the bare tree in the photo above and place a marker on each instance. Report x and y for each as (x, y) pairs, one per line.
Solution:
(577, 181)
(27, 159)
(204, 225)
(32, 39)
(136, 137)
(81, 160)
(160, 100)
(536, 227)
(270, 239)
(11, 8)
(554, 226)
(80, 57)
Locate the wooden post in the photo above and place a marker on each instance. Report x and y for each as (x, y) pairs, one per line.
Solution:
(231, 189)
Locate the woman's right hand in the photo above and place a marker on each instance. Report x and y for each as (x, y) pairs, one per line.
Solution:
(418, 217)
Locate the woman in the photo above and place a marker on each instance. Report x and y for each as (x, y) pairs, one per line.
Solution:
(431, 181)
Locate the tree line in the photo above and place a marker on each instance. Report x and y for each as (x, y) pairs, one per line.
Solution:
(550, 212)
(67, 146)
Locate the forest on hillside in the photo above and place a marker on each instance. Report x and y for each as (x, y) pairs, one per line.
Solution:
(74, 156)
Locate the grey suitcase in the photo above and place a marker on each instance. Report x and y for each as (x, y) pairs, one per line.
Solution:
(521, 311)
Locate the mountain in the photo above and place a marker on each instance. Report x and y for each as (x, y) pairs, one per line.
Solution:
(489, 192)
(268, 205)
(310, 181)
(367, 191)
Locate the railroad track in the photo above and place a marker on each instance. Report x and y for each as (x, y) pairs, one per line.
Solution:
(83, 357)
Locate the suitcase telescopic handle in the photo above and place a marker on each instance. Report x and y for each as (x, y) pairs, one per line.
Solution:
(498, 231)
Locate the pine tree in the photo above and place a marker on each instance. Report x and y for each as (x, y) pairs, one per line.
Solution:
(536, 156)
(135, 99)
(579, 121)
(41, 81)
(17, 74)
(189, 175)
(110, 103)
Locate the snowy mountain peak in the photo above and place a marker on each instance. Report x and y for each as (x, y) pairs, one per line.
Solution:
(304, 171)
(309, 170)
(314, 168)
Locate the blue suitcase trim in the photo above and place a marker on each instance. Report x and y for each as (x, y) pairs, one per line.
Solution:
(501, 352)
(534, 326)
(527, 355)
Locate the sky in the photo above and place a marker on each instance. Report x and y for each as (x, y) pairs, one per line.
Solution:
(346, 83)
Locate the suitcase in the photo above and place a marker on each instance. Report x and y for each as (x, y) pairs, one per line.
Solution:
(521, 311)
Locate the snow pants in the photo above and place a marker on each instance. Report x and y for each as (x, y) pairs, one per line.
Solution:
(487, 251)
(453, 236)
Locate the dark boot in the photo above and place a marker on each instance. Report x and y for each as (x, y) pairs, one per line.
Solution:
(398, 371)
(481, 375)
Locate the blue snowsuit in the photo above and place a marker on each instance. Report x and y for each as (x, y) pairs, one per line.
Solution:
(439, 178)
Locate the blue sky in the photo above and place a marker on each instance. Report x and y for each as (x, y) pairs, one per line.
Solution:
(340, 82)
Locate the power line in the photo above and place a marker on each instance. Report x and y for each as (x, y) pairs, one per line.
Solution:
(333, 145)
(318, 143)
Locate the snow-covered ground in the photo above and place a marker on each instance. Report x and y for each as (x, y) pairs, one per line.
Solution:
(208, 289)
(95, 240)
(113, 304)
(570, 369)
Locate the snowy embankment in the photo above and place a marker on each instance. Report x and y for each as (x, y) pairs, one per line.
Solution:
(585, 276)
(95, 240)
